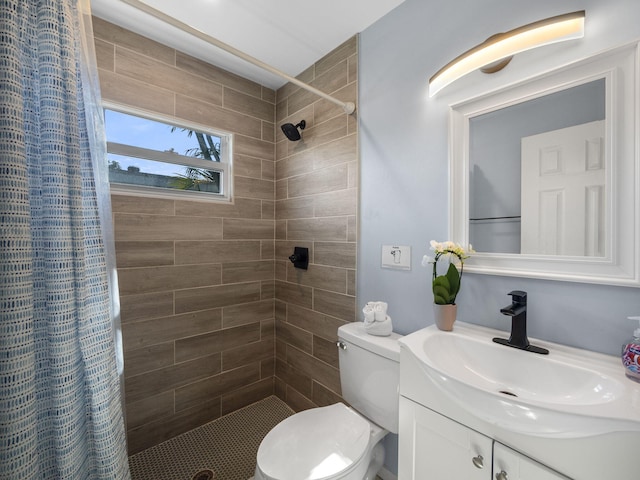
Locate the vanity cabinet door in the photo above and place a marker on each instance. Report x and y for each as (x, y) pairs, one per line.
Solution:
(511, 465)
(432, 446)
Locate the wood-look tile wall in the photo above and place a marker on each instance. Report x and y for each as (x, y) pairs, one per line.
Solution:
(196, 278)
(316, 207)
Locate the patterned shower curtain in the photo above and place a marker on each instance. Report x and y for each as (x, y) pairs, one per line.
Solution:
(60, 398)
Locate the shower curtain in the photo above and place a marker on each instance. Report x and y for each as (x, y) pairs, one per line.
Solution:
(60, 393)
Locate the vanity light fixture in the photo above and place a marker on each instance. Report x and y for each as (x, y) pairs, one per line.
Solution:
(494, 53)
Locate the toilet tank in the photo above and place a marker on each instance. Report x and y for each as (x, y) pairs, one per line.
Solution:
(370, 374)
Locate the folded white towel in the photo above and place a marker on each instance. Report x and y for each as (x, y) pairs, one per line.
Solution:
(380, 329)
(380, 311)
(369, 315)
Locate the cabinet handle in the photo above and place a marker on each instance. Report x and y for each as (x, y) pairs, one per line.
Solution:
(478, 461)
(501, 476)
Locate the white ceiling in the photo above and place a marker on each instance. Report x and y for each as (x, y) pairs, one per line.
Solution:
(289, 35)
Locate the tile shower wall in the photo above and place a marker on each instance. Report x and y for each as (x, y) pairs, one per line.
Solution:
(196, 278)
(316, 207)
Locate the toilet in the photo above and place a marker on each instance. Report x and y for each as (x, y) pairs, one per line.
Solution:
(337, 441)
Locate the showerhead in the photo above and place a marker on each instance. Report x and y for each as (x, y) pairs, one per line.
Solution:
(291, 131)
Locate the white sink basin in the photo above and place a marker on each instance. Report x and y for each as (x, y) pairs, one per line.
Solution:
(568, 393)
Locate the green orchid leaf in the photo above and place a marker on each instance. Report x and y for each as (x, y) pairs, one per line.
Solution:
(453, 276)
(441, 290)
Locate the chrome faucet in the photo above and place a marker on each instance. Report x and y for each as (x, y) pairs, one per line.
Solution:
(518, 313)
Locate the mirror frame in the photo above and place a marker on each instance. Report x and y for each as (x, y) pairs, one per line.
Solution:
(621, 263)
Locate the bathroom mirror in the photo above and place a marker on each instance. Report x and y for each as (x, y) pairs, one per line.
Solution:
(545, 174)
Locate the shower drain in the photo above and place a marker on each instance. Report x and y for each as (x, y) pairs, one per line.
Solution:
(204, 475)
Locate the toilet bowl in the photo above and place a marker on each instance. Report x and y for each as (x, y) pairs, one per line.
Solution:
(325, 443)
(337, 441)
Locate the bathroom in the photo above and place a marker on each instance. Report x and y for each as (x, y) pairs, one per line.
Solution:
(385, 181)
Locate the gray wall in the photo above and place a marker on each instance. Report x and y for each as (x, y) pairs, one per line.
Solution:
(404, 175)
(404, 171)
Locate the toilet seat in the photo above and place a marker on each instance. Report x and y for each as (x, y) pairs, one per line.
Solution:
(316, 444)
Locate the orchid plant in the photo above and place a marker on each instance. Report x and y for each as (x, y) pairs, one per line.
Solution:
(447, 286)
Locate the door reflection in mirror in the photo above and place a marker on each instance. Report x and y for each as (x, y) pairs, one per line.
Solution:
(551, 216)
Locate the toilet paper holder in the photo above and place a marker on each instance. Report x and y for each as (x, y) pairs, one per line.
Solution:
(300, 257)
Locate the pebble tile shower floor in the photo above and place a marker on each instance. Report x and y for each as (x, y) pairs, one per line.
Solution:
(227, 447)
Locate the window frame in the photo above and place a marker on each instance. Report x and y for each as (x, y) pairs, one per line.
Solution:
(224, 166)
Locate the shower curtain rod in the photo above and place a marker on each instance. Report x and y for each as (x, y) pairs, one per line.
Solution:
(348, 107)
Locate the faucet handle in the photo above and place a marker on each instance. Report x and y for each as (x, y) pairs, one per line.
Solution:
(518, 296)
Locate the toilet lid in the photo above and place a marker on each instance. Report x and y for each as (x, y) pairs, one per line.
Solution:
(314, 444)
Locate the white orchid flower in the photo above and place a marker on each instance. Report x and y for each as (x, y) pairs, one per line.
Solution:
(451, 253)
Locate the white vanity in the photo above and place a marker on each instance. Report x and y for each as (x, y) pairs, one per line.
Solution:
(473, 409)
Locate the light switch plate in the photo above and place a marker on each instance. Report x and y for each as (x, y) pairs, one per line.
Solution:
(397, 257)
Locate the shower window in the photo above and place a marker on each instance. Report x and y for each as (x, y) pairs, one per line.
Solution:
(155, 157)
